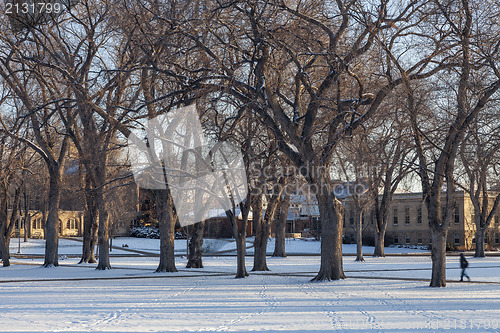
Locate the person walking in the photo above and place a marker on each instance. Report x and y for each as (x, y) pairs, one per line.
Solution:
(463, 264)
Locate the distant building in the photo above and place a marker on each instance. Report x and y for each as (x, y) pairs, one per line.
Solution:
(407, 223)
(70, 224)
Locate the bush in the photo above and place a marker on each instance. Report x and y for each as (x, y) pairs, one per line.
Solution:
(150, 232)
(145, 232)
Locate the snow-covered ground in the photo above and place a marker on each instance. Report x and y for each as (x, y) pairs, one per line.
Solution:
(70, 247)
(380, 295)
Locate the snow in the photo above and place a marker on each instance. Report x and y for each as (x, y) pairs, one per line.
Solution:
(71, 247)
(388, 294)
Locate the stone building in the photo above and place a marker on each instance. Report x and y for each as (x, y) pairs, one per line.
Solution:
(70, 224)
(408, 224)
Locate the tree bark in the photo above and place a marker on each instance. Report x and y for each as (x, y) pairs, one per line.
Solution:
(438, 255)
(480, 236)
(103, 235)
(261, 235)
(331, 236)
(241, 270)
(166, 224)
(240, 236)
(379, 242)
(4, 249)
(90, 218)
(359, 236)
(13, 218)
(90, 227)
(279, 245)
(52, 222)
(195, 253)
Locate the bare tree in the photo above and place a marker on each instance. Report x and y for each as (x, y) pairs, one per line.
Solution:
(389, 151)
(288, 70)
(10, 152)
(479, 156)
(436, 169)
(38, 104)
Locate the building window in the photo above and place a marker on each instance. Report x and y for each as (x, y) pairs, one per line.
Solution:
(457, 215)
(419, 238)
(42, 223)
(407, 239)
(457, 238)
(473, 240)
(351, 217)
(396, 239)
(496, 239)
(497, 219)
(419, 215)
(17, 224)
(395, 217)
(71, 224)
(407, 215)
(33, 225)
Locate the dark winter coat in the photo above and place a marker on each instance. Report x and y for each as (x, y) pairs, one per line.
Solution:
(463, 262)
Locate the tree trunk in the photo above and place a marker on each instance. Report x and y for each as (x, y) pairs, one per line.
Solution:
(103, 232)
(438, 255)
(4, 250)
(13, 218)
(241, 270)
(27, 228)
(359, 236)
(166, 224)
(279, 245)
(480, 233)
(90, 226)
(261, 236)
(240, 236)
(331, 236)
(52, 222)
(195, 246)
(379, 243)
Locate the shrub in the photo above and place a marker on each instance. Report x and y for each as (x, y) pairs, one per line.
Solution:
(150, 232)
(145, 232)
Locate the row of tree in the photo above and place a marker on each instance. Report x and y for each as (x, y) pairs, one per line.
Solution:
(405, 87)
